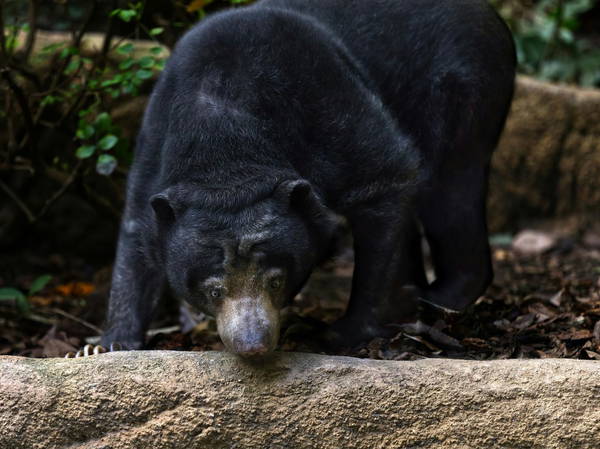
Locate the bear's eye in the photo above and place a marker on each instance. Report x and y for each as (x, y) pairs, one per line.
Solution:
(216, 293)
(275, 284)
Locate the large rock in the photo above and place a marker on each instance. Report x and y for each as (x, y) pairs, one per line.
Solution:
(215, 400)
(547, 164)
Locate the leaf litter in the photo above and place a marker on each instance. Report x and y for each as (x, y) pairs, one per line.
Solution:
(540, 305)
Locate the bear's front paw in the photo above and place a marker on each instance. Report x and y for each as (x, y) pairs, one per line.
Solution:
(348, 333)
(88, 350)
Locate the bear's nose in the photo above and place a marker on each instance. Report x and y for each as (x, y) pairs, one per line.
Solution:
(250, 347)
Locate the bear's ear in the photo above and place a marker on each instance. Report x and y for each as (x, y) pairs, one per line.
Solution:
(164, 207)
(300, 195)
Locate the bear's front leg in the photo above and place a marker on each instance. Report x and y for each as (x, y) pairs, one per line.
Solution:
(136, 288)
(381, 247)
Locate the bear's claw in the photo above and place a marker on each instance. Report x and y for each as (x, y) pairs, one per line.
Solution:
(88, 350)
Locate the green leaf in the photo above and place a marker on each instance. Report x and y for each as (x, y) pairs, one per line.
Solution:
(103, 121)
(110, 82)
(156, 31)
(127, 14)
(143, 74)
(51, 47)
(10, 294)
(67, 51)
(85, 151)
(146, 62)
(125, 48)
(85, 132)
(129, 89)
(156, 50)
(72, 66)
(106, 164)
(16, 296)
(49, 99)
(108, 141)
(39, 284)
(126, 65)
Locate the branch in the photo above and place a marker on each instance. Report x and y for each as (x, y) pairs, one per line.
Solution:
(77, 320)
(108, 35)
(32, 33)
(22, 100)
(2, 39)
(13, 196)
(50, 201)
(101, 202)
(26, 73)
(10, 126)
(86, 24)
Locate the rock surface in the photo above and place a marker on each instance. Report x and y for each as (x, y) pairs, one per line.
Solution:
(215, 400)
(547, 164)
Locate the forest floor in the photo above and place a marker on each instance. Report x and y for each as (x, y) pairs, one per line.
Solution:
(540, 305)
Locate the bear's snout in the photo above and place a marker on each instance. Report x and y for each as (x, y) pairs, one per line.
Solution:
(248, 326)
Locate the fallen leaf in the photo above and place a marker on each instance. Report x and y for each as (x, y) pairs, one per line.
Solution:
(592, 354)
(75, 289)
(557, 299)
(581, 334)
(57, 344)
(523, 321)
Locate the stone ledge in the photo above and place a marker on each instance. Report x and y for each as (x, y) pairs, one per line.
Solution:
(160, 399)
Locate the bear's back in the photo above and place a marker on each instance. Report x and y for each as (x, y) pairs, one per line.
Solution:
(401, 42)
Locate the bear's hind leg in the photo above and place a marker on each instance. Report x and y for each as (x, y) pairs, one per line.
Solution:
(453, 214)
(385, 258)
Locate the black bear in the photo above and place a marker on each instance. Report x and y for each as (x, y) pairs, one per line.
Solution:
(270, 119)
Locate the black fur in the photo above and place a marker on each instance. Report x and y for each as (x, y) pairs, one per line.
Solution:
(387, 111)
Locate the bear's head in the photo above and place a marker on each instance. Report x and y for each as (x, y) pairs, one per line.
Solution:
(241, 256)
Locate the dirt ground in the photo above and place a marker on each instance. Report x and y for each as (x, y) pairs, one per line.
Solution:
(539, 305)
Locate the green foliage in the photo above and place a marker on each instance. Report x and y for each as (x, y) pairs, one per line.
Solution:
(39, 284)
(547, 43)
(16, 297)
(19, 299)
(91, 83)
(134, 12)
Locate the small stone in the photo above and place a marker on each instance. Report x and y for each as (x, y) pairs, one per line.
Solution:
(533, 242)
